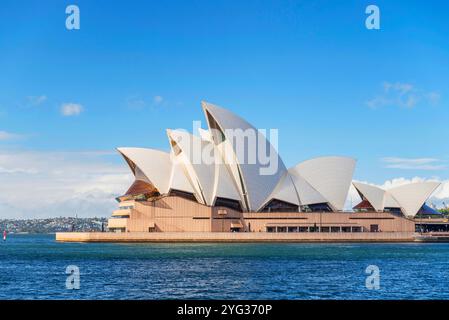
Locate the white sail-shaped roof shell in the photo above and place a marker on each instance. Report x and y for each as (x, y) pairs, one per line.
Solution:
(154, 164)
(179, 179)
(330, 176)
(201, 171)
(285, 191)
(411, 197)
(224, 186)
(375, 195)
(225, 155)
(257, 185)
(307, 194)
(139, 175)
(390, 202)
(205, 135)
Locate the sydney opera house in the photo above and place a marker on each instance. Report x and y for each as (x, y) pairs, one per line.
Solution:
(230, 178)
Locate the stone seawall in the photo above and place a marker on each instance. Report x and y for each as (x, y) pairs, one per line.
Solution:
(234, 237)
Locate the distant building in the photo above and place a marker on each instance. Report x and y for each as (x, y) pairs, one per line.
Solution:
(181, 192)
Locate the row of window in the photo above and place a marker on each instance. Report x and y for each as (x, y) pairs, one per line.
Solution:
(126, 207)
(432, 227)
(314, 229)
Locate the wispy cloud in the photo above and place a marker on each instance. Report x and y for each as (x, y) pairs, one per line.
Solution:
(135, 102)
(403, 95)
(71, 109)
(414, 163)
(158, 100)
(36, 100)
(60, 183)
(8, 136)
(17, 171)
(138, 102)
(433, 97)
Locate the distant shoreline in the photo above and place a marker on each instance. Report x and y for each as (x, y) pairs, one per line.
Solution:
(52, 225)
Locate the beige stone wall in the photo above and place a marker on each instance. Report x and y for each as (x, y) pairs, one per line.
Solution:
(176, 214)
(169, 214)
(141, 218)
(222, 218)
(234, 237)
(118, 223)
(386, 222)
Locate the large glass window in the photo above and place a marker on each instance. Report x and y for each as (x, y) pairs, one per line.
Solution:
(228, 203)
(182, 194)
(316, 207)
(281, 229)
(279, 206)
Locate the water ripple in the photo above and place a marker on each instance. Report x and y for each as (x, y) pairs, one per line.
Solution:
(33, 267)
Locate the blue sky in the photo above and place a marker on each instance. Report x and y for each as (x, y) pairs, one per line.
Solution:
(311, 69)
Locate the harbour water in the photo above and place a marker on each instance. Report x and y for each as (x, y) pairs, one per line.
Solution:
(33, 267)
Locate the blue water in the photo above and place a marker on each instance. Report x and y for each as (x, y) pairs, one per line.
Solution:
(33, 267)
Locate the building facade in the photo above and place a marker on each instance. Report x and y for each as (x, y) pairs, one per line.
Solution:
(230, 178)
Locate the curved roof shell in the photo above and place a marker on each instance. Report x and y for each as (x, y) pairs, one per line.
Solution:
(330, 176)
(390, 201)
(256, 181)
(179, 179)
(411, 197)
(307, 194)
(188, 149)
(208, 177)
(285, 191)
(154, 164)
(375, 195)
(224, 185)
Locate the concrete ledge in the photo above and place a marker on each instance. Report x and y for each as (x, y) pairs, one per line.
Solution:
(234, 237)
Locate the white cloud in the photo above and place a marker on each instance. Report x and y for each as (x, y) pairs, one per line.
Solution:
(6, 136)
(71, 109)
(17, 170)
(37, 100)
(414, 163)
(158, 100)
(402, 88)
(135, 102)
(138, 102)
(396, 182)
(46, 184)
(402, 95)
(433, 97)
